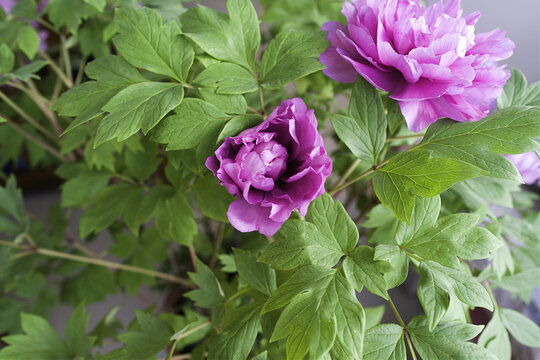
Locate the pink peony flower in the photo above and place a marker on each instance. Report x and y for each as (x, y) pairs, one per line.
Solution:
(428, 59)
(528, 165)
(273, 168)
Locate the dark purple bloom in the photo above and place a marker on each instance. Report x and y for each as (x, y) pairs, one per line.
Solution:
(429, 59)
(273, 168)
(528, 165)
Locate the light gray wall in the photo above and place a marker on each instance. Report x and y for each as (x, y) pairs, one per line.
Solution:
(521, 21)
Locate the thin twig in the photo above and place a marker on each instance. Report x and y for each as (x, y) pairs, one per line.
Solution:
(56, 69)
(35, 139)
(217, 244)
(402, 323)
(65, 55)
(193, 257)
(80, 71)
(261, 99)
(182, 336)
(27, 117)
(99, 262)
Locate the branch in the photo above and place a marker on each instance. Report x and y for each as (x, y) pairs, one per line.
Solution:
(35, 139)
(98, 262)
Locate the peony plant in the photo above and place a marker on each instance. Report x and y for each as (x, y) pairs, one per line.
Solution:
(351, 180)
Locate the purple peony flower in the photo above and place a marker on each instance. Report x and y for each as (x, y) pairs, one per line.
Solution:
(273, 168)
(429, 59)
(7, 5)
(528, 165)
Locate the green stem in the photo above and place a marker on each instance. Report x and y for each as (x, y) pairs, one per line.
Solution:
(348, 172)
(402, 323)
(356, 178)
(35, 139)
(217, 244)
(411, 255)
(98, 262)
(186, 334)
(490, 292)
(27, 117)
(396, 312)
(404, 137)
(67, 60)
(56, 69)
(261, 99)
(409, 344)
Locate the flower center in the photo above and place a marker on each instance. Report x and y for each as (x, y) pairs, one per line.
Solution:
(274, 158)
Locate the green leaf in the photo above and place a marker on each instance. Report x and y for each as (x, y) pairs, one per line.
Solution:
(333, 222)
(210, 292)
(91, 31)
(432, 295)
(139, 106)
(362, 270)
(228, 79)
(495, 338)
(300, 243)
(98, 4)
(425, 214)
(107, 327)
(291, 55)
(522, 283)
(80, 190)
(385, 342)
(195, 121)
(28, 71)
(112, 74)
(514, 90)
(234, 38)
(75, 332)
(28, 41)
(143, 163)
(92, 284)
(239, 333)
(39, 341)
(231, 104)
(459, 283)
(364, 130)
(374, 316)
(307, 277)
(440, 241)
(69, 13)
(478, 243)
(11, 200)
(311, 325)
(24, 9)
(447, 341)
(110, 203)
(146, 342)
(522, 328)
(145, 43)
(508, 131)
(417, 173)
(7, 59)
(213, 200)
(175, 220)
(259, 276)
(397, 259)
(323, 241)
(238, 124)
(350, 319)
